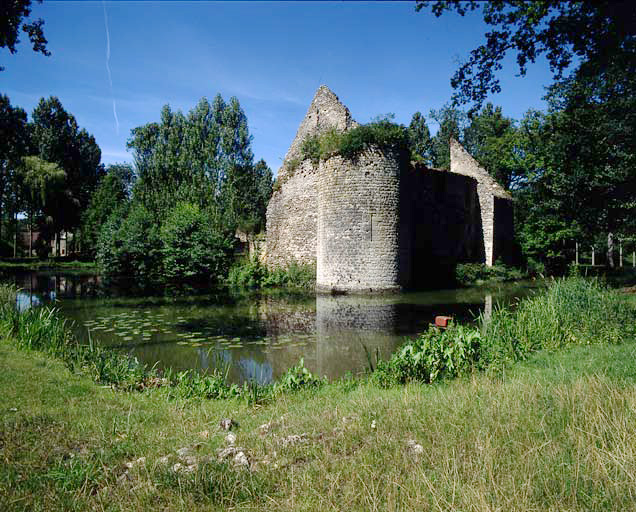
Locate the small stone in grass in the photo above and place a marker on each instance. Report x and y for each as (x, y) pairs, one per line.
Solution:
(230, 438)
(227, 424)
(415, 447)
(240, 459)
(182, 452)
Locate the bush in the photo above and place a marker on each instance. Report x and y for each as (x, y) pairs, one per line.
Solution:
(129, 244)
(474, 273)
(193, 245)
(382, 134)
(297, 378)
(572, 311)
(253, 274)
(435, 354)
(247, 274)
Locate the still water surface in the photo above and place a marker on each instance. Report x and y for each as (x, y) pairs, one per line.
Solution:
(259, 335)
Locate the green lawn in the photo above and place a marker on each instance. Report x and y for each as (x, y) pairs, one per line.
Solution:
(554, 433)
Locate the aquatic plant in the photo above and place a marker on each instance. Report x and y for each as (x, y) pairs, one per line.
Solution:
(572, 311)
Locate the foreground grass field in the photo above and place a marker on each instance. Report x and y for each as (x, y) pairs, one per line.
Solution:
(554, 433)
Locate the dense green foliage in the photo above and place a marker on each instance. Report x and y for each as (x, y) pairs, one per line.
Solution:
(420, 140)
(192, 245)
(129, 244)
(475, 273)
(253, 274)
(196, 184)
(382, 134)
(49, 168)
(111, 194)
(572, 312)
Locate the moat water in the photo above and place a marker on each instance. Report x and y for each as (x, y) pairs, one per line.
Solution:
(258, 335)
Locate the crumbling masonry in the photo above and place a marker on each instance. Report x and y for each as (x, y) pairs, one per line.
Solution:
(381, 223)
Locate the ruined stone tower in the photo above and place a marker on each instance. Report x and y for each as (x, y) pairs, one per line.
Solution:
(381, 223)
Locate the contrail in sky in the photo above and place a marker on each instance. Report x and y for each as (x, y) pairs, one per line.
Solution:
(110, 79)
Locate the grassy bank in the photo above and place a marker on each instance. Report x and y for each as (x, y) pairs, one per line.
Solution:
(553, 431)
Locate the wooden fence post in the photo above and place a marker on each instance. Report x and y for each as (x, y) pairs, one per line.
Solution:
(592, 255)
(577, 254)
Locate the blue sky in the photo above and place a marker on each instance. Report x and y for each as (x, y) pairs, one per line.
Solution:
(378, 57)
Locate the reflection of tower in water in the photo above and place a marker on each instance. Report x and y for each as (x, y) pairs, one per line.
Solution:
(350, 327)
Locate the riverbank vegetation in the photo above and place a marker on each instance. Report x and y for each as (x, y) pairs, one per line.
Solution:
(550, 432)
(467, 274)
(64, 264)
(571, 312)
(252, 273)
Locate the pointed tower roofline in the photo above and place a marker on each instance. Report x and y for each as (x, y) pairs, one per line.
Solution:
(462, 162)
(325, 112)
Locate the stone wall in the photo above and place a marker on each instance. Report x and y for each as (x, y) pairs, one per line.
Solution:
(293, 208)
(487, 189)
(440, 213)
(358, 223)
(381, 223)
(291, 219)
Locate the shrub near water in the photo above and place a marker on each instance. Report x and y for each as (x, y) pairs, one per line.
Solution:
(192, 245)
(253, 274)
(572, 311)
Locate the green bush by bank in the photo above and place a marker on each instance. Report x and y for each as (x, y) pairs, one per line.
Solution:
(253, 274)
(475, 273)
(572, 311)
(192, 244)
(188, 244)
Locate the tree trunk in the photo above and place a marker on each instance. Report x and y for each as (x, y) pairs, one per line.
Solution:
(15, 235)
(30, 234)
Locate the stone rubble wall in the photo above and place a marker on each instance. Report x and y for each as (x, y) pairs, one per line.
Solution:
(293, 208)
(358, 223)
(380, 223)
(488, 189)
(291, 219)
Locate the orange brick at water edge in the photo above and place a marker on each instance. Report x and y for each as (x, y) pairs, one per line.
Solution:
(442, 321)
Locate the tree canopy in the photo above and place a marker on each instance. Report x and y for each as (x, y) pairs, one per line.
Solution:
(587, 35)
(13, 14)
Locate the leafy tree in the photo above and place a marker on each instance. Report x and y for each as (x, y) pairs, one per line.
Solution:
(247, 192)
(14, 142)
(113, 190)
(420, 139)
(57, 138)
(592, 34)
(203, 158)
(451, 124)
(13, 14)
(580, 160)
(40, 182)
(129, 244)
(194, 245)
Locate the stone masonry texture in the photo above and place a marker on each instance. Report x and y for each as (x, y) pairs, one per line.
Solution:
(379, 222)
